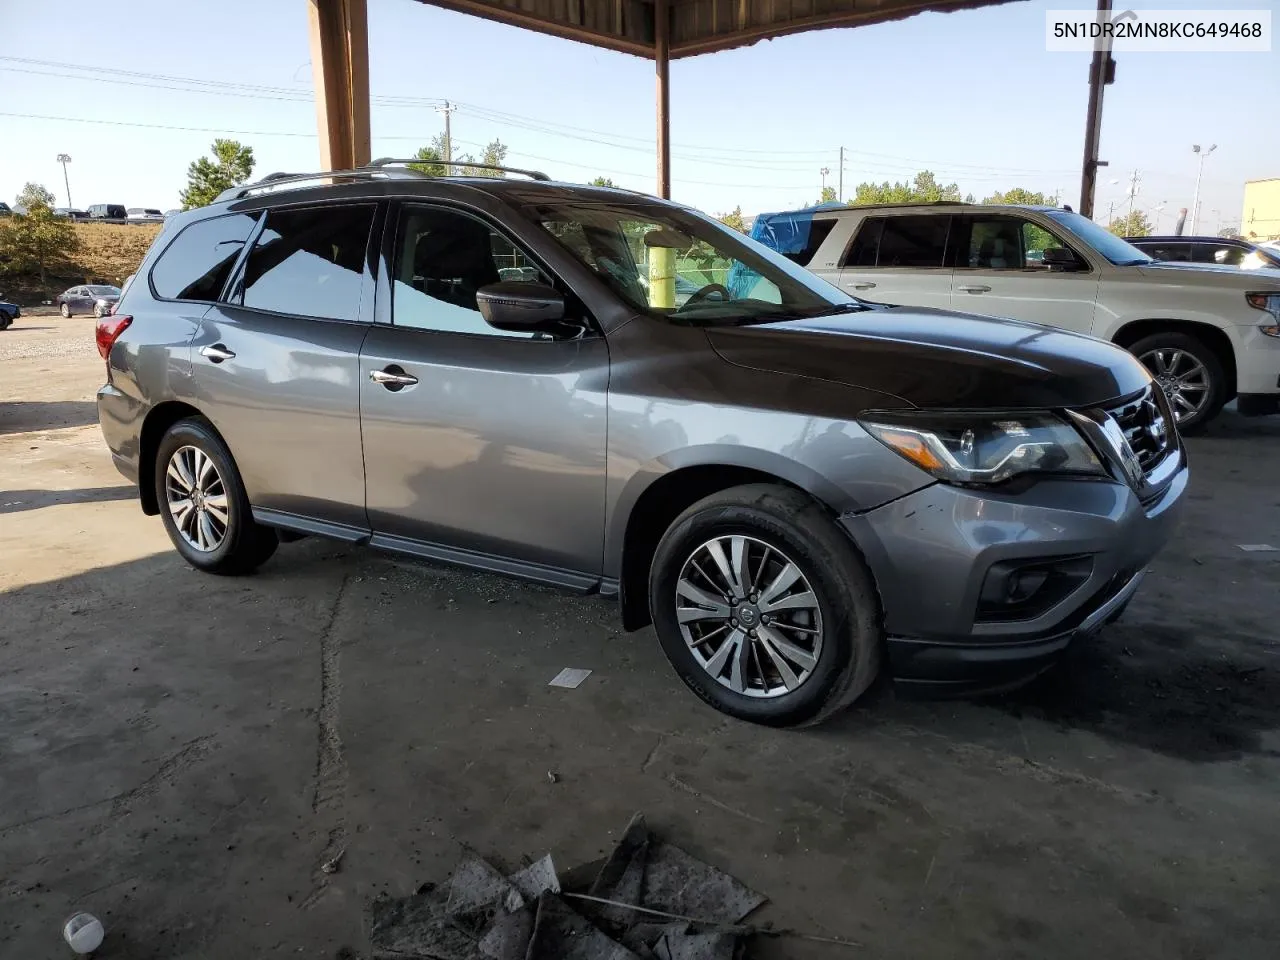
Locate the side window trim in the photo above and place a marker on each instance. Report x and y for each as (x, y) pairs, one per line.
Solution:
(234, 287)
(384, 311)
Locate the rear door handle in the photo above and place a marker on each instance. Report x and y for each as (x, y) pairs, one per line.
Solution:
(973, 288)
(393, 377)
(217, 353)
(862, 285)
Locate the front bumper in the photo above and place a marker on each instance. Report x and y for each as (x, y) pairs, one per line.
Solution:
(1257, 367)
(931, 552)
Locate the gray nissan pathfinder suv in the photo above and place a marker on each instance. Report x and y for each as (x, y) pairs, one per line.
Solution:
(601, 390)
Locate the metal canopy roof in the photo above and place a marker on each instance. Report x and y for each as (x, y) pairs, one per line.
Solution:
(696, 26)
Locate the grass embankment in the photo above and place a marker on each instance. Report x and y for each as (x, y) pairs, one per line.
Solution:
(108, 252)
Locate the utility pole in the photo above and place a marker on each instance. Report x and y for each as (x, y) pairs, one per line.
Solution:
(1195, 200)
(447, 110)
(1102, 71)
(64, 159)
(1133, 193)
(840, 189)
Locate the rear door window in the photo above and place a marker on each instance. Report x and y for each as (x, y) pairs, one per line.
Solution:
(1224, 253)
(195, 266)
(309, 262)
(905, 241)
(1167, 251)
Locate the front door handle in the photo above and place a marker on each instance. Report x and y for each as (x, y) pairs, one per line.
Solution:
(862, 285)
(974, 288)
(393, 377)
(217, 353)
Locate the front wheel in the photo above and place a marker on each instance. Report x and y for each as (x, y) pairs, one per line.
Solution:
(203, 503)
(764, 607)
(97, 312)
(1188, 372)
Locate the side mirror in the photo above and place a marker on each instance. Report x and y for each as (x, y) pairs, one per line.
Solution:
(519, 306)
(1060, 258)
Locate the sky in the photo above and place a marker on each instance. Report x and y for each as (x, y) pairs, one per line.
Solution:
(972, 96)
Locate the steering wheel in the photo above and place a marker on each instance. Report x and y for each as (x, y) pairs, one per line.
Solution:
(703, 292)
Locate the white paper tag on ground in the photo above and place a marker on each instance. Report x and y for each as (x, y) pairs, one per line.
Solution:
(1257, 547)
(570, 678)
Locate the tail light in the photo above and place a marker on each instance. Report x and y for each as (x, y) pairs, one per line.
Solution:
(108, 330)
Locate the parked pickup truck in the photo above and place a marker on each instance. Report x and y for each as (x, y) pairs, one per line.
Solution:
(1207, 332)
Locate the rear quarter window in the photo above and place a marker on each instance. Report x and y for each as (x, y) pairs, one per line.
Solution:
(195, 266)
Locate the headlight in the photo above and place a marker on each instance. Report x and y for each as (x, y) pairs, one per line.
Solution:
(985, 448)
(1267, 303)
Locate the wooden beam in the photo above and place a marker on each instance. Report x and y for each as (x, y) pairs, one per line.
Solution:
(357, 17)
(340, 72)
(662, 60)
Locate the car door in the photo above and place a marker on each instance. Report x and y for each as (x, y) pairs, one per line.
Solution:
(77, 300)
(900, 259)
(999, 272)
(276, 364)
(480, 445)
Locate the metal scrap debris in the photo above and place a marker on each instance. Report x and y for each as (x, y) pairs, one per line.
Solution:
(650, 900)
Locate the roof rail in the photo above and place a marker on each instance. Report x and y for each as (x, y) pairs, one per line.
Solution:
(388, 161)
(272, 180)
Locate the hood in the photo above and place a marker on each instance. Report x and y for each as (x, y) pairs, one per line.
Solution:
(1215, 274)
(940, 359)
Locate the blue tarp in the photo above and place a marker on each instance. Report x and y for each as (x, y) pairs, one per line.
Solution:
(787, 233)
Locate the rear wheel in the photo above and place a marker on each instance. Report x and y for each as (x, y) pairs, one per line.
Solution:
(64, 310)
(203, 504)
(764, 608)
(1188, 372)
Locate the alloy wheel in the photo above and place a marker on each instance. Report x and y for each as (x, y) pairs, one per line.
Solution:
(1182, 377)
(196, 498)
(749, 615)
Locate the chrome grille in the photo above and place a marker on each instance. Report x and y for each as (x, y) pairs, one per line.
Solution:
(1147, 425)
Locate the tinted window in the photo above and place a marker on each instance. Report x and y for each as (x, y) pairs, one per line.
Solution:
(442, 259)
(310, 262)
(996, 244)
(819, 230)
(865, 246)
(1224, 253)
(913, 241)
(196, 264)
(1167, 251)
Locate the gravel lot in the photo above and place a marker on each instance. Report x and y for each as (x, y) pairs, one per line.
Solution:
(181, 752)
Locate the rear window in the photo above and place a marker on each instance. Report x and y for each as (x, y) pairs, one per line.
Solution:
(310, 262)
(196, 265)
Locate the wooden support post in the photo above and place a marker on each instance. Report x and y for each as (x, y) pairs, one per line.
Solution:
(340, 72)
(1101, 72)
(662, 60)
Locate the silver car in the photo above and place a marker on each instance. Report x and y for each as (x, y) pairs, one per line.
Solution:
(795, 487)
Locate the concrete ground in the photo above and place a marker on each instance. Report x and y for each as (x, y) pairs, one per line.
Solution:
(180, 753)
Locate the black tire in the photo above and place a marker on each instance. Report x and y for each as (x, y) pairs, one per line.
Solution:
(245, 545)
(64, 310)
(787, 520)
(1217, 393)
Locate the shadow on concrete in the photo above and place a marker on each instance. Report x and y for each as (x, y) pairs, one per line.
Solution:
(18, 328)
(22, 416)
(19, 501)
(1169, 689)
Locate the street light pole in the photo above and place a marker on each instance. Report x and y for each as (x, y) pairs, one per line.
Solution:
(64, 159)
(824, 171)
(1195, 200)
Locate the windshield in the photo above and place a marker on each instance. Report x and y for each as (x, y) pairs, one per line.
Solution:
(676, 263)
(1120, 252)
(104, 291)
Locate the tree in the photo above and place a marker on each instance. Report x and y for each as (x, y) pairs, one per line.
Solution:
(1230, 233)
(828, 195)
(1134, 224)
(33, 194)
(734, 219)
(924, 187)
(433, 155)
(231, 166)
(606, 182)
(495, 154)
(35, 240)
(1018, 195)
